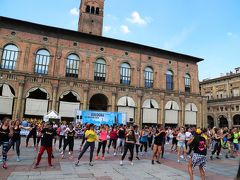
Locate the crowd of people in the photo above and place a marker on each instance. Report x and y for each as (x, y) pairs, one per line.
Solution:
(190, 144)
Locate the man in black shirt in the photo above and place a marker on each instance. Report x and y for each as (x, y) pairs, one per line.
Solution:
(199, 156)
(48, 134)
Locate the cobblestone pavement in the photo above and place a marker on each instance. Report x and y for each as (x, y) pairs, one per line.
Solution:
(224, 169)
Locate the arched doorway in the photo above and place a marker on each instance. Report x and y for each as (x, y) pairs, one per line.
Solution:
(127, 106)
(191, 114)
(236, 119)
(171, 114)
(210, 122)
(36, 105)
(150, 112)
(7, 94)
(223, 122)
(98, 102)
(69, 102)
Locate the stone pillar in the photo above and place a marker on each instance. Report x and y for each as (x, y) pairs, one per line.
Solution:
(113, 102)
(138, 115)
(204, 113)
(182, 120)
(85, 98)
(54, 97)
(19, 100)
(199, 117)
(162, 111)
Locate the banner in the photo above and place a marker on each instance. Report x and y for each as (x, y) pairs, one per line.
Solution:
(99, 118)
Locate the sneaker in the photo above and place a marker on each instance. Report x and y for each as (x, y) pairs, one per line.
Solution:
(61, 153)
(4, 166)
(103, 158)
(96, 158)
(131, 163)
(90, 164)
(137, 158)
(62, 156)
(77, 163)
(152, 161)
(218, 157)
(69, 153)
(226, 156)
(211, 157)
(158, 162)
(35, 149)
(178, 161)
(181, 156)
(35, 166)
(121, 163)
(114, 154)
(18, 159)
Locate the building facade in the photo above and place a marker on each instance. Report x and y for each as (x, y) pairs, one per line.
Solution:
(223, 95)
(46, 68)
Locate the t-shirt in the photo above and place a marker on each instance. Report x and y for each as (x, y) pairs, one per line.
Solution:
(47, 137)
(4, 134)
(158, 140)
(199, 145)
(121, 133)
(103, 135)
(91, 136)
(62, 130)
(181, 137)
(70, 134)
(16, 134)
(188, 135)
(235, 137)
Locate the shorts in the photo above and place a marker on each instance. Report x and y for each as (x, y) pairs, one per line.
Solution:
(199, 160)
(181, 144)
(120, 142)
(236, 146)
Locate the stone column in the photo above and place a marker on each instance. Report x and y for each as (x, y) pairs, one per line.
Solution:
(138, 115)
(204, 113)
(19, 100)
(113, 102)
(199, 117)
(54, 97)
(162, 111)
(85, 97)
(182, 119)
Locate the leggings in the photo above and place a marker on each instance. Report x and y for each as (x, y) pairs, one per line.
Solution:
(130, 147)
(70, 143)
(217, 148)
(87, 144)
(150, 139)
(4, 150)
(145, 146)
(61, 139)
(137, 149)
(12, 142)
(34, 138)
(113, 142)
(49, 152)
(103, 145)
(38, 140)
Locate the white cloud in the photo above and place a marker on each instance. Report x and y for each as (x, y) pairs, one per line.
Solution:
(107, 28)
(178, 38)
(74, 11)
(232, 35)
(125, 29)
(137, 19)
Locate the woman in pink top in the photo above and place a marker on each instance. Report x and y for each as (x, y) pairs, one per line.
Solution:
(113, 139)
(102, 141)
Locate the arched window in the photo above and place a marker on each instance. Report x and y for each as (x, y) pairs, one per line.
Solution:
(92, 10)
(9, 57)
(169, 80)
(125, 74)
(72, 66)
(42, 61)
(148, 77)
(100, 70)
(187, 80)
(97, 11)
(88, 9)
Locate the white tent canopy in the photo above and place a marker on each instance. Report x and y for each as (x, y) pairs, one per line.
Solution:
(51, 115)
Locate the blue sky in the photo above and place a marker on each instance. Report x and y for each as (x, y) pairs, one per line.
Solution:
(208, 28)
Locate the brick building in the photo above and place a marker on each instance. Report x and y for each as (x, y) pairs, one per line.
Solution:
(47, 68)
(223, 99)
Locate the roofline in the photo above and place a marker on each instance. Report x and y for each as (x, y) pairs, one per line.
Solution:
(219, 78)
(58, 30)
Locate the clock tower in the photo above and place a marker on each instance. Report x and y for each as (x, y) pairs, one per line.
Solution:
(91, 17)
